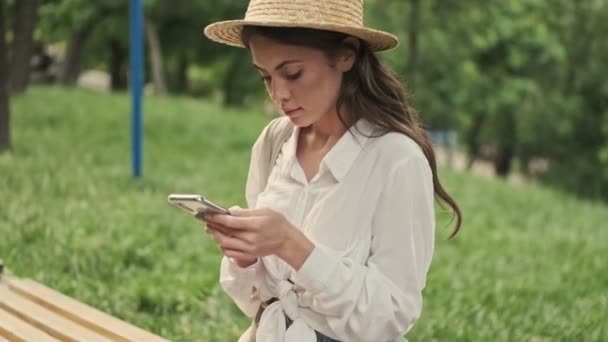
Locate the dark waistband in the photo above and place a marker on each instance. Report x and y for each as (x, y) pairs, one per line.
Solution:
(263, 307)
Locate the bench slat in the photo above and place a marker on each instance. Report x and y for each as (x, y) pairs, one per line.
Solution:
(44, 319)
(80, 313)
(15, 329)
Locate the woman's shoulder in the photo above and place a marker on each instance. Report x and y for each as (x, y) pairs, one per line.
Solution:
(277, 127)
(274, 130)
(395, 148)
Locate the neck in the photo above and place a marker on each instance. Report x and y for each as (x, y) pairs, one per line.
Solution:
(328, 127)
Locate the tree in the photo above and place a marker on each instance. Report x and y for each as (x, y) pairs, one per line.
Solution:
(570, 127)
(5, 136)
(481, 65)
(117, 56)
(23, 43)
(76, 21)
(156, 57)
(70, 68)
(180, 25)
(414, 29)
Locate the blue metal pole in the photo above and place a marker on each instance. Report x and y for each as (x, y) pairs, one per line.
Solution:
(136, 78)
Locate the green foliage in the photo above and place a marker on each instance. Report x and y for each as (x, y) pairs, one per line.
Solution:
(180, 26)
(568, 111)
(59, 18)
(529, 263)
(524, 75)
(528, 72)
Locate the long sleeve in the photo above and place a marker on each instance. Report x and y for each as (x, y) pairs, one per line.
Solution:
(236, 281)
(257, 168)
(382, 299)
(238, 284)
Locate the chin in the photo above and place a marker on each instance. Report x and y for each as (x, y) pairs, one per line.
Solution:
(301, 120)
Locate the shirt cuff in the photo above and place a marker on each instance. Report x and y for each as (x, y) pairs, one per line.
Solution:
(314, 274)
(232, 268)
(234, 264)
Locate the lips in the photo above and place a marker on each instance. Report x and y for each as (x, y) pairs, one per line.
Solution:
(290, 111)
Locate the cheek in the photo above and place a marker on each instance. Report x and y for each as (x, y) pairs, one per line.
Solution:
(318, 90)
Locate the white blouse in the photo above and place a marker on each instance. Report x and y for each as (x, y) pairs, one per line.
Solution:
(370, 213)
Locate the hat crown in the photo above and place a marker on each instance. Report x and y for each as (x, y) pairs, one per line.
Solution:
(334, 12)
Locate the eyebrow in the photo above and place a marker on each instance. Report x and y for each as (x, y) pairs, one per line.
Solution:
(282, 64)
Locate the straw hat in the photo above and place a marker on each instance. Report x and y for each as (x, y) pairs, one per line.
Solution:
(344, 16)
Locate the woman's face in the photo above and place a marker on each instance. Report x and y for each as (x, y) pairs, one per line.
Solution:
(299, 80)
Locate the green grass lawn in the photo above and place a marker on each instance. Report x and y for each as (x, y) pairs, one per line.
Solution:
(529, 264)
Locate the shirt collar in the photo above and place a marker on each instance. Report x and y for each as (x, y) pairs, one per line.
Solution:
(342, 155)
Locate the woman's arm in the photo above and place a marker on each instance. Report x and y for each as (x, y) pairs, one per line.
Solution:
(238, 284)
(382, 299)
(236, 280)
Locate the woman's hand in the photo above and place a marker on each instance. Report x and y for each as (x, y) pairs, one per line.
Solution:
(217, 234)
(249, 233)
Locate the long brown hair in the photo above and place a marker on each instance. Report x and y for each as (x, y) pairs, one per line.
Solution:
(370, 90)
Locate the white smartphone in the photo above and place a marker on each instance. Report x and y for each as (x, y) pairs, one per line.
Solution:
(196, 204)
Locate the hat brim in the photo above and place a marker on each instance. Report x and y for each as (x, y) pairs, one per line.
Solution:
(229, 32)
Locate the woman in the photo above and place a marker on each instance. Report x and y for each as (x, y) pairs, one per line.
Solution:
(339, 233)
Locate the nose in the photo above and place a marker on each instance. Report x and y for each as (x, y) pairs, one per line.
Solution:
(279, 91)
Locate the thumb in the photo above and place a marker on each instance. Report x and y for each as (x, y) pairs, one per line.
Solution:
(235, 210)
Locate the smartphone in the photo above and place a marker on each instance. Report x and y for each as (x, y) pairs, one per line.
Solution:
(196, 204)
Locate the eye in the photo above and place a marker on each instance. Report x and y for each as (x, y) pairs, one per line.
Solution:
(265, 78)
(294, 77)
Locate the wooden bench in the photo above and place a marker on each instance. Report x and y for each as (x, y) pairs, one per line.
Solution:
(30, 311)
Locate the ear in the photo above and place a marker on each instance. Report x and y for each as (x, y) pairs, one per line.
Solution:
(347, 58)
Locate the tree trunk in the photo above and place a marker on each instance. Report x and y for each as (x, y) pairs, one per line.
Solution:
(117, 65)
(413, 41)
(23, 43)
(70, 69)
(183, 85)
(504, 157)
(156, 58)
(472, 139)
(232, 95)
(5, 133)
(506, 145)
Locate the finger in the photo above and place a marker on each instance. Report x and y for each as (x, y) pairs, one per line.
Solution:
(210, 229)
(232, 233)
(231, 253)
(209, 217)
(236, 222)
(220, 240)
(250, 212)
(223, 230)
(228, 242)
(212, 234)
(215, 226)
(205, 217)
